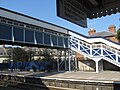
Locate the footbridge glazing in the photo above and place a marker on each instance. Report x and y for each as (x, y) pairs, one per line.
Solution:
(19, 29)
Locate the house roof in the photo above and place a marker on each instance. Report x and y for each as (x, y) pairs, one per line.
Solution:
(103, 34)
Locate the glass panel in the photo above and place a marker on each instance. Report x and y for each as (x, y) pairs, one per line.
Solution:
(66, 42)
(60, 41)
(29, 36)
(5, 32)
(39, 37)
(54, 40)
(47, 39)
(18, 34)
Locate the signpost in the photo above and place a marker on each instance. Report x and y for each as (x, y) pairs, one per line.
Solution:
(71, 10)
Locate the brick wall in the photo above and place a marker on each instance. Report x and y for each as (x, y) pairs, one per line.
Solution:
(112, 38)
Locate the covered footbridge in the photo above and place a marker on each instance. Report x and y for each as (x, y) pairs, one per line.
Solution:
(19, 29)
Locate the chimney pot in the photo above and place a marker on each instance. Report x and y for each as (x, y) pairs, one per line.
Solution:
(112, 28)
(91, 31)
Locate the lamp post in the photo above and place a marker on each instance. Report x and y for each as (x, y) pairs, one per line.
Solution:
(11, 65)
(11, 61)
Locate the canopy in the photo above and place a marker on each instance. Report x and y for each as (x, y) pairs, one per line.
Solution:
(99, 8)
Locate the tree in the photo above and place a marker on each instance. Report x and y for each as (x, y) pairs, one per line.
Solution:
(9, 52)
(30, 54)
(118, 34)
(19, 54)
(39, 54)
(46, 54)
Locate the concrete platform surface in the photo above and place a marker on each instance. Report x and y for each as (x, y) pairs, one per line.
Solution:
(111, 76)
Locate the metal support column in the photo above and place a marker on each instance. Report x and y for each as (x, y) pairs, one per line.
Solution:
(65, 60)
(61, 60)
(100, 65)
(69, 60)
(58, 60)
(90, 50)
(75, 62)
(102, 50)
(97, 66)
(117, 55)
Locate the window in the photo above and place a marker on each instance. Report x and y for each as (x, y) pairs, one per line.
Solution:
(18, 34)
(29, 36)
(54, 40)
(39, 37)
(60, 41)
(66, 42)
(47, 39)
(5, 32)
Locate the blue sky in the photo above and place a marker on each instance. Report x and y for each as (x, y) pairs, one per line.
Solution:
(46, 10)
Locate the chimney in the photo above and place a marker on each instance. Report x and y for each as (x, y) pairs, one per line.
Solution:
(112, 28)
(91, 31)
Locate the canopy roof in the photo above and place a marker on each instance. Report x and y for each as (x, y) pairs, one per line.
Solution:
(99, 8)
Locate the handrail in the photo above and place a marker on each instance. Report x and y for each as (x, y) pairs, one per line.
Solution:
(95, 49)
(95, 40)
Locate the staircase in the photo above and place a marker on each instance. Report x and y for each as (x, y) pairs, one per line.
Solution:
(95, 48)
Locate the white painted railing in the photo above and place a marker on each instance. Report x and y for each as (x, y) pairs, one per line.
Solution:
(93, 48)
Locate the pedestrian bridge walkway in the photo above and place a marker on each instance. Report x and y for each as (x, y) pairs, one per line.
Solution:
(19, 29)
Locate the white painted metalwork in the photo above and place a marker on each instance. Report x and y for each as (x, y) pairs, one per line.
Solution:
(96, 49)
(94, 40)
(62, 60)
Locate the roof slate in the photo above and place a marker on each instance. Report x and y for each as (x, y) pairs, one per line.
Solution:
(103, 34)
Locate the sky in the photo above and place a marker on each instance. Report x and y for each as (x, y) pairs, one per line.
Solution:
(46, 10)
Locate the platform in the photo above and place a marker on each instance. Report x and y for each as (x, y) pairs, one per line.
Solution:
(106, 80)
(110, 76)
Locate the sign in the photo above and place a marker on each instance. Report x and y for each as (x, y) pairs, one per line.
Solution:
(71, 10)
